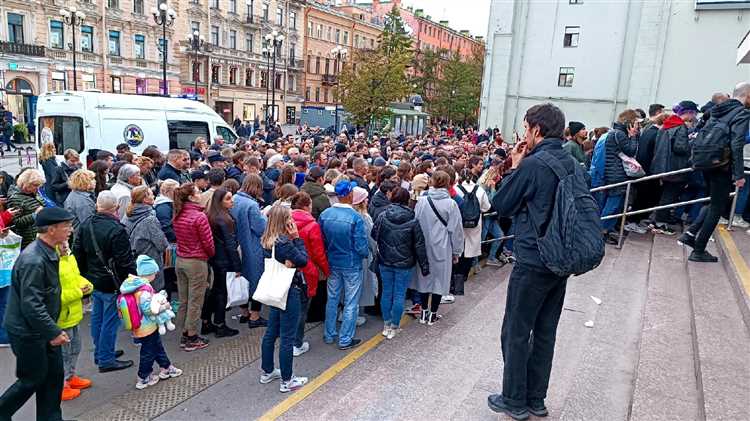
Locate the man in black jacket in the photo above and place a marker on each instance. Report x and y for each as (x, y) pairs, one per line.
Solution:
(535, 294)
(178, 161)
(102, 249)
(31, 320)
(719, 180)
(59, 188)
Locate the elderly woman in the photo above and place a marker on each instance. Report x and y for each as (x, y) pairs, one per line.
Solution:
(145, 230)
(80, 202)
(28, 202)
(128, 178)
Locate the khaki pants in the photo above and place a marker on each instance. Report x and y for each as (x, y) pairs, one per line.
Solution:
(193, 279)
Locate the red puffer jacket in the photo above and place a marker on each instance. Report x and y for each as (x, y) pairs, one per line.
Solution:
(194, 238)
(309, 232)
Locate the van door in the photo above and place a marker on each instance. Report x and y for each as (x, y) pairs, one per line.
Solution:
(182, 133)
(64, 131)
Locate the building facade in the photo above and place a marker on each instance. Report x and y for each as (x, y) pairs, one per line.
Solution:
(118, 50)
(644, 52)
(234, 77)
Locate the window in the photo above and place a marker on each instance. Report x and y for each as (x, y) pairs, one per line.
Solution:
(264, 12)
(291, 115)
(319, 31)
(249, 41)
(317, 94)
(317, 65)
(309, 29)
(233, 75)
(139, 47)
(328, 64)
(56, 36)
(279, 16)
(216, 74)
(264, 79)
(116, 85)
(329, 33)
(565, 78)
(338, 36)
(571, 36)
(226, 134)
(250, 6)
(15, 28)
(346, 37)
(325, 95)
(183, 133)
(277, 80)
(292, 47)
(113, 4)
(293, 20)
(215, 35)
(309, 64)
(372, 42)
(233, 39)
(249, 77)
(114, 43)
(89, 81)
(141, 86)
(87, 39)
(138, 7)
(307, 93)
(163, 48)
(356, 40)
(58, 81)
(196, 72)
(233, 6)
(67, 132)
(291, 83)
(214, 4)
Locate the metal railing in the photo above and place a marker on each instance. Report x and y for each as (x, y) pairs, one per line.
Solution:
(625, 213)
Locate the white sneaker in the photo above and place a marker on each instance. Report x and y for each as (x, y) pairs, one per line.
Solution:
(723, 221)
(171, 372)
(447, 299)
(293, 384)
(361, 320)
(151, 380)
(740, 223)
(392, 333)
(386, 329)
(301, 350)
(266, 378)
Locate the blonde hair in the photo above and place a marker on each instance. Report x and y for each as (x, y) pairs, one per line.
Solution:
(361, 207)
(137, 196)
(278, 217)
(82, 180)
(141, 161)
(168, 187)
(30, 177)
(48, 151)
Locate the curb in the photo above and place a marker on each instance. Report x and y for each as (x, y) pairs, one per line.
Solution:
(736, 271)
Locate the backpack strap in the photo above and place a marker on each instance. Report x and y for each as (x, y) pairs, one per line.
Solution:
(463, 190)
(434, 209)
(100, 255)
(553, 163)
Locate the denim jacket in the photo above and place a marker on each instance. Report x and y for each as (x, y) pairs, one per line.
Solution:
(345, 237)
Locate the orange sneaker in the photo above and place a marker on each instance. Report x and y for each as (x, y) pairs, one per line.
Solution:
(68, 393)
(76, 382)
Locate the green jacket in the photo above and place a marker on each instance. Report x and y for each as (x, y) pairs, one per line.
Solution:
(576, 150)
(71, 282)
(320, 201)
(24, 221)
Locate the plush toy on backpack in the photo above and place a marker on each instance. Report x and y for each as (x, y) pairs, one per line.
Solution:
(141, 309)
(163, 312)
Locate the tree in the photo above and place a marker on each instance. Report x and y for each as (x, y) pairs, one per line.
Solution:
(425, 70)
(395, 38)
(458, 90)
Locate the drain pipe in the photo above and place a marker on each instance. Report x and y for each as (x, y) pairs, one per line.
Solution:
(622, 59)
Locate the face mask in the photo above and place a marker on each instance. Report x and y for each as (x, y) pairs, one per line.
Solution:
(396, 162)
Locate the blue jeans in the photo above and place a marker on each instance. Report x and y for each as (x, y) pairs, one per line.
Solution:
(490, 226)
(348, 283)
(104, 326)
(282, 324)
(612, 205)
(151, 350)
(742, 199)
(395, 281)
(3, 301)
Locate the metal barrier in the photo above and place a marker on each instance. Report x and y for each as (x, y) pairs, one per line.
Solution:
(627, 213)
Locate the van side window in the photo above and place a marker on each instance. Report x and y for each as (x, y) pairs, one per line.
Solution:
(226, 134)
(65, 132)
(183, 133)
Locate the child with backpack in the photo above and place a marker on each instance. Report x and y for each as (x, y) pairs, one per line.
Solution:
(140, 316)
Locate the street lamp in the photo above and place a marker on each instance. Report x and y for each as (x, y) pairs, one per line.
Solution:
(164, 16)
(267, 55)
(274, 40)
(73, 18)
(339, 54)
(197, 44)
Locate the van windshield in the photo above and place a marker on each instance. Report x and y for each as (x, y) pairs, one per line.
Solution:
(65, 132)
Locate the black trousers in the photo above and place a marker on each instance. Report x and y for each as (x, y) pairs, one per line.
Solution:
(533, 304)
(647, 195)
(670, 194)
(39, 369)
(425, 296)
(215, 303)
(718, 187)
(459, 274)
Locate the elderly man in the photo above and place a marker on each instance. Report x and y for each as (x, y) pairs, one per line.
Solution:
(178, 161)
(128, 178)
(31, 320)
(102, 249)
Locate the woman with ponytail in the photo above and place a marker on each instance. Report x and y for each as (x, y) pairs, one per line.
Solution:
(144, 230)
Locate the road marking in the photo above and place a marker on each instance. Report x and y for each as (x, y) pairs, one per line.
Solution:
(327, 375)
(736, 258)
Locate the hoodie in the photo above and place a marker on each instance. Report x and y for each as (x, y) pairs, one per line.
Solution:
(738, 131)
(672, 121)
(309, 232)
(319, 197)
(672, 149)
(143, 292)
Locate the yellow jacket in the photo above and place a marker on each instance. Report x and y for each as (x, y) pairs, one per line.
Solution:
(71, 282)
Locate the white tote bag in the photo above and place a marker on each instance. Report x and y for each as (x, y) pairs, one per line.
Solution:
(275, 282)
(238, 290)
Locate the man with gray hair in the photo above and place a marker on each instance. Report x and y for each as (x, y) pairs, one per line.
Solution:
(719, 176)
(128, 178)
(102, 249)
(178, 161)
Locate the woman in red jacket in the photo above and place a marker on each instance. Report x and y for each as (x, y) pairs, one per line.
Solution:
(195, 245)
(309, 232)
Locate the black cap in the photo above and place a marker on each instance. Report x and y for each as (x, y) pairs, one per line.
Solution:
(52, 216)
(198, 175)
(688, 106)
(214, 156)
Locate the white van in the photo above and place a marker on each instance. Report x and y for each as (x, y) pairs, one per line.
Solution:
(92, 121)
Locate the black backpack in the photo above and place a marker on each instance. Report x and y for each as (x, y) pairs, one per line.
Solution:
(711, 148)
(573, 243)
(470, 211)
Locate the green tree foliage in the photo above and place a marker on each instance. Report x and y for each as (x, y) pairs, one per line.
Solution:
(459, 89)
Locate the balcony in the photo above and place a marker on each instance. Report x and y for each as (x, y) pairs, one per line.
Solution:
(22, 49)
(252, 21)
(115, 60)
(330, 80)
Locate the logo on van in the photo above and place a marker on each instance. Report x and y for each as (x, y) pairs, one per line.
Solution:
(133, 135)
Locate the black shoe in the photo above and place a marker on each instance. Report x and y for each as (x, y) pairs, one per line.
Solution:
(612, 238)
(244, 319)
(686, 240)
(536, 408)
(497, 404)
(208, 328)
(354, 343)
(116, 366)
(225, 331)
(119, 353)
(702, 257)
(261, 322)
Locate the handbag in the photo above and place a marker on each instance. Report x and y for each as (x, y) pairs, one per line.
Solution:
(274, 284)
(632, 168)
(10, 249)
(238, 290)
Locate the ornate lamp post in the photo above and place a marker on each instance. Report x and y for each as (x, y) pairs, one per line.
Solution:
(73, 18)
(267, 55)
(197, 44)
(339, 55)
(274, 40)
(164, 16)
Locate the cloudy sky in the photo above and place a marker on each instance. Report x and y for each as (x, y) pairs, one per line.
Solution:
(460, 14)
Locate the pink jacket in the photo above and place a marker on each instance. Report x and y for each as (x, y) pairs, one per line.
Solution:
(193, 232)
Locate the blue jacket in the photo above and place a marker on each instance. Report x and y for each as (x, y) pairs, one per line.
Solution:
(169, 172)
(165, 214)
(236, 174)
(249, 227)
(528, 196)
(596, 170)
(345, 237)
(617, 141)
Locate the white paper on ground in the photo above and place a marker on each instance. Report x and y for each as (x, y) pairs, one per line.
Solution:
(590, 323)
(596, 300)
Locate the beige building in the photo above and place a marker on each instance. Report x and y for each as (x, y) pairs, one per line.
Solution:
(234, 76)
(117, 49)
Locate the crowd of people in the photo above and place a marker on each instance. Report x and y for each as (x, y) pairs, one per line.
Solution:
(367, 222)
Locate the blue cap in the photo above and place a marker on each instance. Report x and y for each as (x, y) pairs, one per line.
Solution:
(146, 266)
(344, 188)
